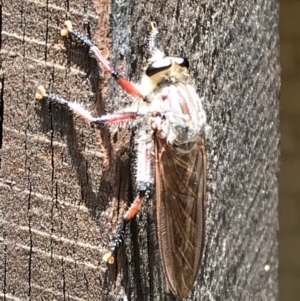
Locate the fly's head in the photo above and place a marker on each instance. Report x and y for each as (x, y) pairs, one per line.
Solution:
(163, 71)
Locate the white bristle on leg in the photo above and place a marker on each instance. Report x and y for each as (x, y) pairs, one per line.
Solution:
(78, 109)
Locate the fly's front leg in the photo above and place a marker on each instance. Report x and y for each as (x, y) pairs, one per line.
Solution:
(144, 181)
(124, 83)
(152, 37)
(80, 111)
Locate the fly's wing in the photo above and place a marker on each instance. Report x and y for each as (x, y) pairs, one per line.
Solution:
(180, 194)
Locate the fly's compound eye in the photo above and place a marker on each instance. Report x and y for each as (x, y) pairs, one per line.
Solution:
(182, 62)
(158, 66)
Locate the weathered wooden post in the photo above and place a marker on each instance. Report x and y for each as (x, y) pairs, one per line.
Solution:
(64, 185)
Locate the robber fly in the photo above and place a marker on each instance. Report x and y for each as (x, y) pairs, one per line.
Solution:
(170, 119)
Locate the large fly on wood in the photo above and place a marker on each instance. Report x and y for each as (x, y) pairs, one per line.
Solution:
(169, 117)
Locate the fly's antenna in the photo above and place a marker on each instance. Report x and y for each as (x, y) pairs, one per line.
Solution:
(152, 37)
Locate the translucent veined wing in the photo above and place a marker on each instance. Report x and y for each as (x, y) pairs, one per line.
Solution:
(180, 195)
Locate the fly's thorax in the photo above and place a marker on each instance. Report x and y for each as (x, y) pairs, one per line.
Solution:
(175, 108)
(178, 113)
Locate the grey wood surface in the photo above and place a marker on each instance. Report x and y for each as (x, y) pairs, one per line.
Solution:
(64, 184)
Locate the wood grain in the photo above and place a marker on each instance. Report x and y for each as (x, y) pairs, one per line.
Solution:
(64, 185)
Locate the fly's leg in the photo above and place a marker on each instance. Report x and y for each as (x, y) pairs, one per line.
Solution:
(152, 37)
(79, 110)
(119, 237)
(153, 49)
(124, 83)
(144, 181)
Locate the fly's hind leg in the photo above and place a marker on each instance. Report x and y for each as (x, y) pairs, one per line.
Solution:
(144, 183)
(117, 241)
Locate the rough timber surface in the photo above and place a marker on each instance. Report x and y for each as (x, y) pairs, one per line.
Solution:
(64, 184)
